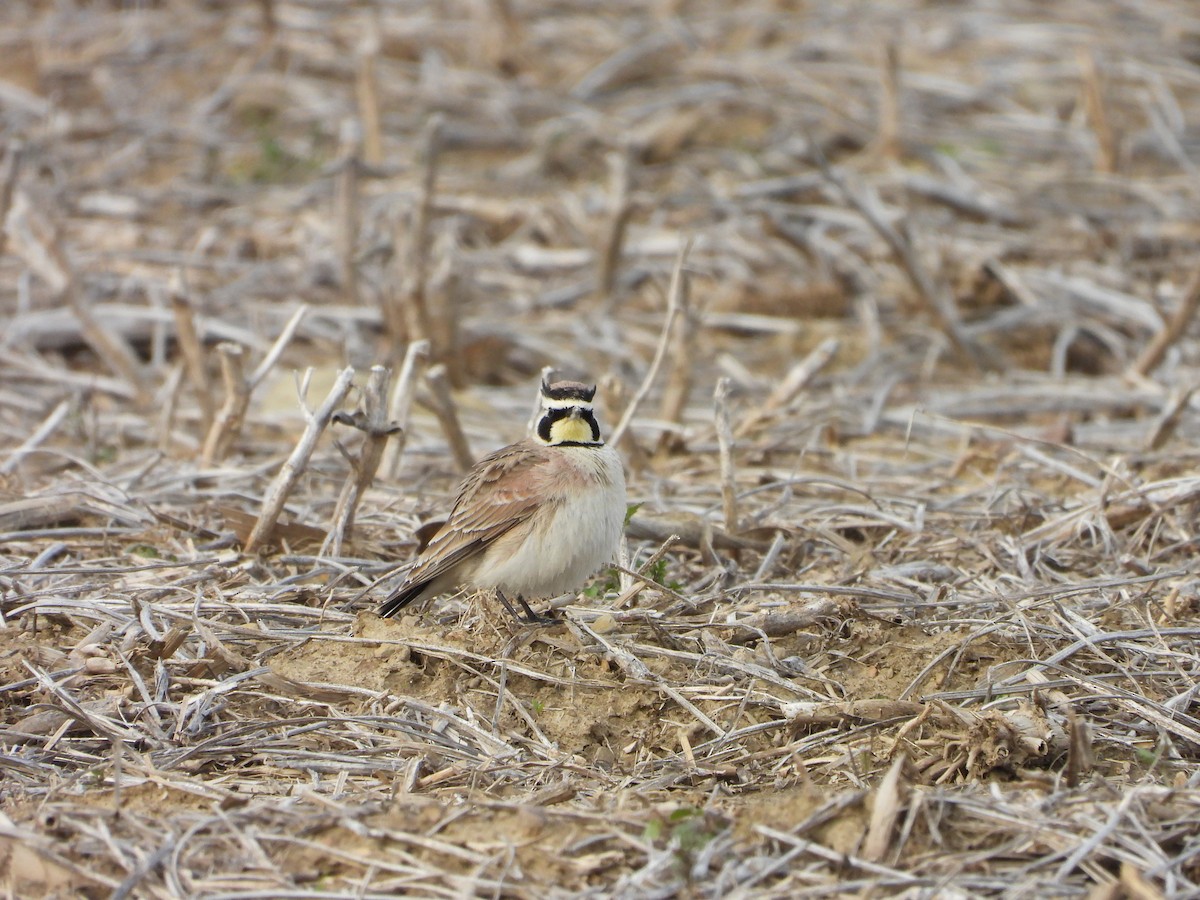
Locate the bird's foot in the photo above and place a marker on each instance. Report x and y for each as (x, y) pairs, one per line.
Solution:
(530, 617)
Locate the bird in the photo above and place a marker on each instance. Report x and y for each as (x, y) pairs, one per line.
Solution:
(533, 519)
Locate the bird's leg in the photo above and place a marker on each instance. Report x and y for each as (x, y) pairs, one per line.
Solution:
(530, 617)
(535, 618)
(512, 612)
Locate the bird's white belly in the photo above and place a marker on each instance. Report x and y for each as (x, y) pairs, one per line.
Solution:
(563, 550)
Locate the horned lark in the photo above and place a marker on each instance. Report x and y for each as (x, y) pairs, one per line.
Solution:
(535, 518)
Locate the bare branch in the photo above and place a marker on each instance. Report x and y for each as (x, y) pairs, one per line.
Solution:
(1150, 357)
(400, 404)
(447, 413)
(293, 468)
(674, 297)
(723, 417)
(374, 424)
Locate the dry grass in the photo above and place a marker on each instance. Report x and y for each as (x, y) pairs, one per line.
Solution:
(925, 619)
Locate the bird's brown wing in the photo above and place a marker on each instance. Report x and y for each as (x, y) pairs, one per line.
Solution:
(499, 494)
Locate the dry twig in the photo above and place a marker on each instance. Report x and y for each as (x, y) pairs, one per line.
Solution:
(238, 388)
(367, 93)
(346, 213)
(678, 388)
(400, 404)
(9, 173)
(1094, 104)
(446, 411)
(1150, 357)
(293, 468)
(889, 139)
(372, 421)
(792, 384)
(47, 427)
(408, 313)
(724, 416)
(193, 356)
(229, 418)
(609, 258)
(674, 295)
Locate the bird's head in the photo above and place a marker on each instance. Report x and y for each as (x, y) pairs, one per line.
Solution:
(567, 415)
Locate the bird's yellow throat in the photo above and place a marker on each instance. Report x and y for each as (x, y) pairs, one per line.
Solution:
(570, 430)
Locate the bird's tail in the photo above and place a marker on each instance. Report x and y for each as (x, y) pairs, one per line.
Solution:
(401, 597)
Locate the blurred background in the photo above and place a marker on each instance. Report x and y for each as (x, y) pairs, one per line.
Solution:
(1015, 186)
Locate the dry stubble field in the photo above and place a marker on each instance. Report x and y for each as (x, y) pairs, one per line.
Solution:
(911, 598)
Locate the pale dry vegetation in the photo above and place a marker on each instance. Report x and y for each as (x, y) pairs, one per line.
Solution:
(910, 602)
